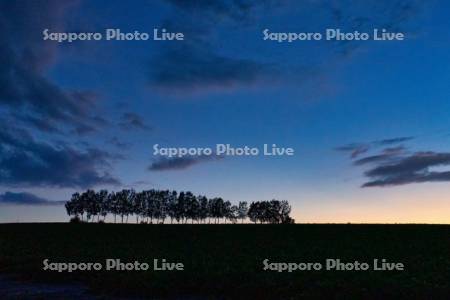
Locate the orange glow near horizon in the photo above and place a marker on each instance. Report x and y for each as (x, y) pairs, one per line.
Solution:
(407, 204)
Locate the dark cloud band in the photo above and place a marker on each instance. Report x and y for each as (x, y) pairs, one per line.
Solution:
(22, 198)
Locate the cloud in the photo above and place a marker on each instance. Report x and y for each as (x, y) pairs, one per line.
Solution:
(41, 124)
(393, 166)
(24, 60)
(388, 153)
(394, 140)
(411, 169)
(116, 142)
(196, 64)
(130, 121)
(27, 162)
(84, 129)
(354, 149)
(180, 163)
(357, 149)
(237, 10)
(192, 69)
(23, 198)
(200, 63)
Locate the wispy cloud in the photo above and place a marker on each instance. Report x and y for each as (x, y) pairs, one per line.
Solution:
(24, 60)
(199, 64)
(414, 168)
(357, 149)
(354, 149)
(385, 155)
(194, 68)
(130, 121)
(118, 143)
(394, 140)
(393, 166)
(27, 162)
(22, 198)
(180, 163)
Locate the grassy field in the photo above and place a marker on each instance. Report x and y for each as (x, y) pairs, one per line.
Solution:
(225, 261)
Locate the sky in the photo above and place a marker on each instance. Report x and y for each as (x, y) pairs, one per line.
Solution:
(368, 120)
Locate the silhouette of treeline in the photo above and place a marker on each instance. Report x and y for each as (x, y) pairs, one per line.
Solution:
(158, 205)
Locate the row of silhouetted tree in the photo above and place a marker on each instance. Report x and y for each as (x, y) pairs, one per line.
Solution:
(156, 206)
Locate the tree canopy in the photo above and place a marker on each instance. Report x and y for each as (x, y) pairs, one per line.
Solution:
(157, 206)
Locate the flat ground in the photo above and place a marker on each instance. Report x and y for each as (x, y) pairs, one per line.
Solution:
(226, 261)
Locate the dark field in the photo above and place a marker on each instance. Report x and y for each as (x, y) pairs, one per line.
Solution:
(226, 261)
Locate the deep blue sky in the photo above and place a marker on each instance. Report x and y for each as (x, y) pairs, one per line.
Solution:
(369, 120)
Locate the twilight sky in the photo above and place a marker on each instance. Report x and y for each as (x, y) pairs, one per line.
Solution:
(369, 120)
